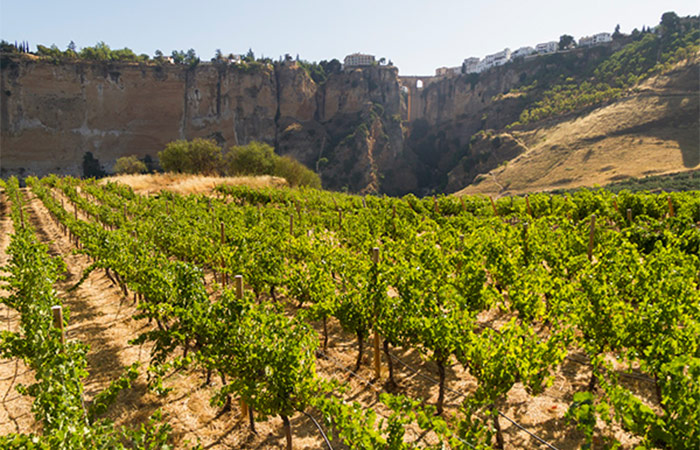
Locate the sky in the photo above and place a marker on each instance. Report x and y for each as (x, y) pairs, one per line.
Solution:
(417, 36)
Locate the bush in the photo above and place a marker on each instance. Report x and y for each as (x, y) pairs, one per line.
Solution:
(260, 159)
(255, 158)
(295, 172)
(129, 165)
(92, 167)
(196, 156)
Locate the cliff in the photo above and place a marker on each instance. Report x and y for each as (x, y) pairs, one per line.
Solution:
(368, 129)
(52, 114)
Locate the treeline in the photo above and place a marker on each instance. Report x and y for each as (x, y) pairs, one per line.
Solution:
(204, 156)
(652, 52)
(99, 52)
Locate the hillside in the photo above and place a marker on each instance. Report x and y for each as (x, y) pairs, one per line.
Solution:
(654, 131)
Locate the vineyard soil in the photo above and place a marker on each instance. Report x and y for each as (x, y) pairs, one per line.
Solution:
(101, 317)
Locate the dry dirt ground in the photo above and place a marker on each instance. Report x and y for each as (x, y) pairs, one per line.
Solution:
(101, 317)
(653, 131)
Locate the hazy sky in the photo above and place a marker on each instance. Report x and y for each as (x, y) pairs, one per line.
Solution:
(416, 36)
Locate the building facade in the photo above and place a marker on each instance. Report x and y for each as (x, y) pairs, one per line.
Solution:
(547, 47)
(522, 52)
(470, 65)
(596, 39)
(448, 71)
(358, 60)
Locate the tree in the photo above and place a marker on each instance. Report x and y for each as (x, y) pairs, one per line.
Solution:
(70, 51)
(196, 156)
(250, 56)
(616, 34)
(129, 165)
(382, 60)
(151, 165)
(566, 41)
(670, 22)
(92, 167)
(255, 158)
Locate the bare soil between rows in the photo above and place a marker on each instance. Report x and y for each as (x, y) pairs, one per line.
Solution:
(102, 317)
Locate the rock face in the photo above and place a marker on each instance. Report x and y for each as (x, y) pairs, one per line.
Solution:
(363, 130)
(52, 114)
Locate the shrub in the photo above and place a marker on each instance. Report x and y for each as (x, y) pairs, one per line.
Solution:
(196, 156)
(129, 165)
(92, 167)
(295, 172)
(255, 158)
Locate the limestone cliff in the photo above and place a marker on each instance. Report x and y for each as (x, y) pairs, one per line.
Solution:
(51, 114)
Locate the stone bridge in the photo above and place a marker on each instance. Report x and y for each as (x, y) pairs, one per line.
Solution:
(413, 86)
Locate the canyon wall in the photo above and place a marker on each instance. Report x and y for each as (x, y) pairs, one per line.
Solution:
(363, 130)
(52, 114)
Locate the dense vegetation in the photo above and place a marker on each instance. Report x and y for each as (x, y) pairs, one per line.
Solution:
(612, 277)
(204, 156)
(653, 52)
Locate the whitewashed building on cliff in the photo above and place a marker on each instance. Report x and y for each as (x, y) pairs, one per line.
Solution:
(470, 65)
(596, 39)
(359, 60)
(448, 71)
(522, 52)
(547, 47)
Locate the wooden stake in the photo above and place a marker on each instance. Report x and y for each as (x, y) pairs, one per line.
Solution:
(340, 218)
(629, 215)
(291, 224)
(58, 323)
(527, 201)
(464, 206)
(493, 205)
(377, 355)
(615, 205)
(224, 277)
(590, 238)
(238, 282)
(435, 205)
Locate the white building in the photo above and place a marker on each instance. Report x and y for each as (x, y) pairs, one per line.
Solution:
(585, 41)
(470, 65)
(522, 52)
(447, 71)
(596, 39)
(547, 47)
(358, 60)
(601, 38)
(497, 59)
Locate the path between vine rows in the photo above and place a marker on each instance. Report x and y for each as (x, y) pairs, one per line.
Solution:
(101, 317)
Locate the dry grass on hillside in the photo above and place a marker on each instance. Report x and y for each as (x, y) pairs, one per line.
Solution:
(190, 184)
(653, 132)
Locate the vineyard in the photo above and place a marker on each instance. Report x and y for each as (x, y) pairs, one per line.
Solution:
(297, 318)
